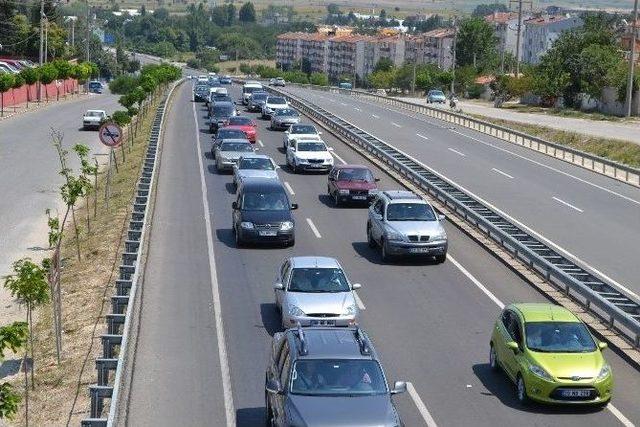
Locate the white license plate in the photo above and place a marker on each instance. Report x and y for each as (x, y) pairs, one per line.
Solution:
(268, 233)
(323, 323)
(576, 393)
(419, 250)
(316, 165)
(359, 197)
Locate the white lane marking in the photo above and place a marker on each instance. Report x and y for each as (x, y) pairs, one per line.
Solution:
(375, 117)
(359, 301)
(584, 181)
(422, 408)
(357, 109)
(620, 416)
(567, 204)
(230, 412)
(313, 228)
(396, 125)
(422, 136)
(289, 189)
(476, 282)
(260, 143)
(343, 104)
(457, 152)
(338, 157)
(502, 173)
(332, 100)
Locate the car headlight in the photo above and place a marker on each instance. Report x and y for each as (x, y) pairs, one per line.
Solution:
(350, 310)
(295, 311)
(441, 235)
(394, 235)
(329, 160)
(286, 226)
(246, 225)
(604, 372)
(343, 192)
(540, 373)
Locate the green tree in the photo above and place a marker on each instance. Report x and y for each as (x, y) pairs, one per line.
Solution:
(247, 13)
(596, 62)
(319, 79)
(12, 337)
(6, 83)
(30, 76)
(382, 79)
(333, 9)
(476, 43)
(48, 73)
(487, 9)
(384, 64)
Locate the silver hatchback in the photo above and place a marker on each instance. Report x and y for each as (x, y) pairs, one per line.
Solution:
(314, 291)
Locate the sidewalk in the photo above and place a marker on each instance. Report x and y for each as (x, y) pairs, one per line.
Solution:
(599, 128)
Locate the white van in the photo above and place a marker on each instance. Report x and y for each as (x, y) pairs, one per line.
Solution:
(248, 89)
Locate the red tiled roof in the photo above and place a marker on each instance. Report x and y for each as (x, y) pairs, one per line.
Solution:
(439, 33)
(501, 17)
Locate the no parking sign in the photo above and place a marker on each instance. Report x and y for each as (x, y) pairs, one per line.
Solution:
(110, 134)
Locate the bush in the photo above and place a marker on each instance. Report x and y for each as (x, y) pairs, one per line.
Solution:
(475, 91)
(296, 77)
(319, 79)
(194, 63)
(121, 117)
(246, 69)
(123, 84)
(213, 68)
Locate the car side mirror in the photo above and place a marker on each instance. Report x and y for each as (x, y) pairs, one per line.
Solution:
(293, 148)
(441, 217)
(294, 206)
(603, 345)
(278, 286)
(319, 133)
(274, 387)
(513, 346)
(234, 206)
(399, 387)
(377, 179)
(356, 286)
(329, 148)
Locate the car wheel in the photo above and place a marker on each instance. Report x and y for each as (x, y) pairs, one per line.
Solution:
(441, 258)
(493, 358)
(521, 391)
(294, 167)
(370, 240)
(239, 242)
(386, 257)
(336, 200)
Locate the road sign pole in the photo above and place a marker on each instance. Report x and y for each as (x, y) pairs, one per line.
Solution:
(107, 187)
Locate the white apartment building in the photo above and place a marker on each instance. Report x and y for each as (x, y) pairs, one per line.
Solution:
(541, 32)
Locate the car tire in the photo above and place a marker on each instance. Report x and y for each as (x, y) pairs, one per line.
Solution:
(238, 239)
(493, 358)
(370, 239)
(336, 200)
(521, 391)
(384, 252)
(441, 258)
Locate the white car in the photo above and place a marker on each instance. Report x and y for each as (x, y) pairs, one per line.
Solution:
(254, 166)
(272, 104)
(248, 88)
(93, 119)
(300, 131)
(309, 155)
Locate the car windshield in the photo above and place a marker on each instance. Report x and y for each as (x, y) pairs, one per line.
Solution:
(318, 280)
(287, 112)
(230, 134)
(559, 337)
(410, 212)
(94, 84)
(236, 146)
(327, 377)
(265, 201)
(355, 174)
(239, 121)
(222, 110)
(437, 93)
(257, 163)
(276, 100)
(259, 96)
(311, 146)
(93, 114)
(250, 89)
(303, 129)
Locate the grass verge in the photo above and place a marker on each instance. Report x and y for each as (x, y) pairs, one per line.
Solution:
(566, 112)
(624, 152)
(60, 396)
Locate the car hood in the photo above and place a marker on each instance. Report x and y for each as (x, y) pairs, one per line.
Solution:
(339, 411)
(327, 302)
(263, 217)
(422, 228)
(256, 173)
(286, 118)
(569, 364)
(303, 136)
(313, 155)
(232, 154)
(355, 185)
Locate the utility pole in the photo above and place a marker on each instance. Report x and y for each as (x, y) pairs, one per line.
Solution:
(519, 34)
(88, 29)
(46, 41)
(41, 46)
(632, 59)
(453, 67)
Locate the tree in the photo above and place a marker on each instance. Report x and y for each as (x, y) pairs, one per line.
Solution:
(333, 9)
(319, 79)
(383, 15)
(384, 64)
(487, 9)
(382, 79)
(64, 70)
(12, 337)
(247, 13)
(6, 83)
(476, 42)
(596, 62)
(48, 73)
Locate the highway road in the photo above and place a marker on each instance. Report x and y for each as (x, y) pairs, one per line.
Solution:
(592, 217)
(208, 314)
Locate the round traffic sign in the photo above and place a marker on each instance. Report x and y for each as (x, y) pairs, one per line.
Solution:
(110, 134)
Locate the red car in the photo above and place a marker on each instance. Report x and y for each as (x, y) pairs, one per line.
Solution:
(245, 124)
(351, 183)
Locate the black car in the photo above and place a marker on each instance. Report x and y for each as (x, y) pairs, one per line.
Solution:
(262, 213)
(218, 97)
(224, 134)
(200, 92)
(219, 114)
(225, 80)
(256, 101)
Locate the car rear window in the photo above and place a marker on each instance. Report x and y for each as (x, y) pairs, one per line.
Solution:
(355, 174)
(258, 163)
(230, 134)
(276, 100)
(287, 112)
(239, 121)
(236, 146)
(222, 110)
(303, 129)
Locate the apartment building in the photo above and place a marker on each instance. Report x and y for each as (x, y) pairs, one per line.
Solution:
(347, 56)
(541, 32)
(288, 49)
(436, 47)
(505, 27)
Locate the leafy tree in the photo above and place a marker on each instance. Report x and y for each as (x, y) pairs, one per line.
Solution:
(476, 42)
(247, 13)
(48, 73)
(384, 64)
(596, 63)
(12, 337)
(319, 79)
(382, 79)
(383, 15)
(333, 9)
(488, 9)
(121, 118)
(6, 83)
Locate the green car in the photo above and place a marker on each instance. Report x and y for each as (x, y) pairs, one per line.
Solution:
(550, 355)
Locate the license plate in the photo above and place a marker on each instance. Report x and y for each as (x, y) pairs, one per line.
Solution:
(323, 323)
(419, 250)
(359, 197)
(576, 393)
(268, 233)
(315, 165)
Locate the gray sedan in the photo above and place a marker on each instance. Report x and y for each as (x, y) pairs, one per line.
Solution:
(229, 151)
(283, 119)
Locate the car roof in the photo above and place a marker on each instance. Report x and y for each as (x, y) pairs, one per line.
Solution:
(262, 184)
(314, 262)
(402, 195)
(331, 343)
(236, 140)
(543, 312)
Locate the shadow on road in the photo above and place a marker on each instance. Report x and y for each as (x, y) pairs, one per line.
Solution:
(373, 256)
(270, 318)
(250, 417)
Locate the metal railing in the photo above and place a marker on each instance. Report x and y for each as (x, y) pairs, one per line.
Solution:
(119, 322)
(601, 165)
(595, 294)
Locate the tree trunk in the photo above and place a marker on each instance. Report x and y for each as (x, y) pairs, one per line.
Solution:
(29, 315)
(88, 215)
(75, 226)
(95, 185)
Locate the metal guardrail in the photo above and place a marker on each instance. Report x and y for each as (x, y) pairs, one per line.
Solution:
(602, 298)
(114, 342)
(610, 168)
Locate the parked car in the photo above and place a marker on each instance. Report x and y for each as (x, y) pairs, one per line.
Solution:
(278, 81)
(93, 119)
(325, 376)
(262, 213)
(272, 104)
(226, 134)
(96, 86)
(436, 96)
(345, 85)
(248, 88)
(283, 118)
(401, 223)
(550, 355)
(254, 166)
(219, 115)
(300, 131)
(245, 124)
(309, 155)
(351, 183)
(314, 291)
(229, 151)
(257, 101)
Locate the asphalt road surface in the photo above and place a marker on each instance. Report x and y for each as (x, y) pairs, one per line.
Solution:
(208, 311)
(592, 217)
